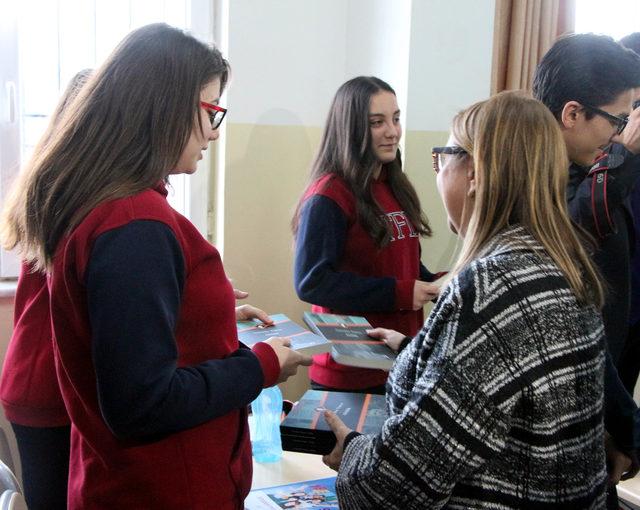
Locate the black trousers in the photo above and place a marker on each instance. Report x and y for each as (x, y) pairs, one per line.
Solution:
(44, 455)
(629, 364)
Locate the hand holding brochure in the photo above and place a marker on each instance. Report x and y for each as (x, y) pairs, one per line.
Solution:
(303, 341)
(305, 430)
(351, 344)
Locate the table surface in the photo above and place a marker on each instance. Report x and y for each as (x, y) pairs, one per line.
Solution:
(298, 467)
(293, 467)
(629, 490)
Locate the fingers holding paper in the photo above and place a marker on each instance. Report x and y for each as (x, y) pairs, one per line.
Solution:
(288, 359)
(341, 431)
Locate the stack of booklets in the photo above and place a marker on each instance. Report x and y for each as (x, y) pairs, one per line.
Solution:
(311, 495)
(350, 343)
(305, 430)
(254, 331)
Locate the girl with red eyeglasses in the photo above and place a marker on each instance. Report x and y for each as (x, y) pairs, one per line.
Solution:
(144, 321)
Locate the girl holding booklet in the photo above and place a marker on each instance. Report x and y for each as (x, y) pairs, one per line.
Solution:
(357, 228)
(144, 322)
(498, 401)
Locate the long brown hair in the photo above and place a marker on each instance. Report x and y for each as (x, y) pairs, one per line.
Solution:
(124, 133)
(520, 170)
(346, 150)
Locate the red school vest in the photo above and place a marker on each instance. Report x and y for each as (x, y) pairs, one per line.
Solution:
(29, 388)
(208, 466)
(400, 259)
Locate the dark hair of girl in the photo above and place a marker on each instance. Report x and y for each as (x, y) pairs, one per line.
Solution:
(123, 133)
(346, 150)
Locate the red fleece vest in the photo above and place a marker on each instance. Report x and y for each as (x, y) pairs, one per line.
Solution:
(208, 466)
(400, 259)
(29, 387)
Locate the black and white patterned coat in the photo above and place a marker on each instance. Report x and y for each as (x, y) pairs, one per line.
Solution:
(497, 403)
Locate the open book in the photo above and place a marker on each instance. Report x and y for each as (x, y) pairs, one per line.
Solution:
(303, 341)
(350, 343)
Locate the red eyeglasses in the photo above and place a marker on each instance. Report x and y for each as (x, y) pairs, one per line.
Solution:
(216, 113)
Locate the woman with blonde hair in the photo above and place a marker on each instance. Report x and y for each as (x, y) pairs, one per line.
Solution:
(498, 400)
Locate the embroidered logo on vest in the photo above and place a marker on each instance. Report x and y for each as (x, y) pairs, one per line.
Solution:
(401, 227)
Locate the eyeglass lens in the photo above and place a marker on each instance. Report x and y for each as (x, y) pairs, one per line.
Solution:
(215, 117)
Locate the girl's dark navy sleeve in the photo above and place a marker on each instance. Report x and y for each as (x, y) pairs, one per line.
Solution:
(320, 245)
(134, 283)
(425, 274)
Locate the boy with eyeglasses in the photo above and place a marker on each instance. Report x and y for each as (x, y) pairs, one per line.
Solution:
(588, 82)
(629, 364)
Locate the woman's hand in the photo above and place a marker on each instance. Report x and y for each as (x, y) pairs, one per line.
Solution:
(288, 359)
(390, 337)
(619, 465)
(248, 312)
(424, 292)
(341, 431)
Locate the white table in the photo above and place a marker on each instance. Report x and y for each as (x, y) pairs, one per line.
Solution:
(629, 490)
(298, 467)
(292, 467)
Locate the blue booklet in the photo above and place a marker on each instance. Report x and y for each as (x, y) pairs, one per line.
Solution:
(251, 332)
(351, 344)
(308, 495)
(305, 430)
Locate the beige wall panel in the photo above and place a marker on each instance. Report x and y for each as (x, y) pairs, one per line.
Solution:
(437, 250)
(267, 170)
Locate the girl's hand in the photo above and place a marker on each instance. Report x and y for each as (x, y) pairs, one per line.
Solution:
(240, 294)
(288, 359)
(424, 292)
(248, 312)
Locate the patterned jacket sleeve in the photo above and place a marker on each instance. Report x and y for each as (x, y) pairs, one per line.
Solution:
(446, 430)
(448, 427)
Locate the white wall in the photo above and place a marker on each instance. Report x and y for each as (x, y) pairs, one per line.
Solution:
(377, 42)
(289, 57)
(285, 56)
(450, 63)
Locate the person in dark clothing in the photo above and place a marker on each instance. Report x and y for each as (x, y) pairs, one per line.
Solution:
(587, 82)
(629, 363)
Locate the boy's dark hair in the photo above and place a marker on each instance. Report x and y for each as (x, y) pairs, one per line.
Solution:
(632, 41)
(588, 68)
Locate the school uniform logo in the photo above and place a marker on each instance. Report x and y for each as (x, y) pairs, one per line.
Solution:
(401, 227)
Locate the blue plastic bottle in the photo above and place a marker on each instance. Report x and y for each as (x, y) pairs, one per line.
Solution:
(265, 432)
